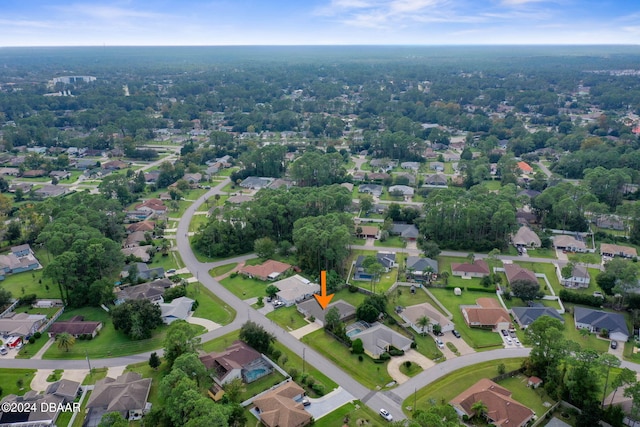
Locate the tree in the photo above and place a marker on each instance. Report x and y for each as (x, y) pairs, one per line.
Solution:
(5, 297)
(332, 319)
(190, 364)
(113, 419)
(14, 231)
(136, 318)
(180, 339)
(625, 377)
(65, 341)
(479, 409)
(527, 290)
(264, 247)
(272, 291)
(367, 312)
(154, 361)
(366, 203)
(608, 361)
(256, 336)
(633, 391)
(567, 270)
(357, 346)
(424, 322)
(429, 248)
(373, 268)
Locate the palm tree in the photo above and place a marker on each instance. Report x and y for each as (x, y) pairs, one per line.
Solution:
(65, 340)
(479, 409)
(445, 277)
(423, 322)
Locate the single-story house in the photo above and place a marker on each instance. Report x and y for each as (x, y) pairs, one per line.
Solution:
(414, 313)
(34, 173)
(126, 394)
(256, 183)
(152, 291)
(143, 271)
(295, 289)
(311, 308)
(379, 338)
(236, 361)
(435, 180)
(75, 327)
(597, 320)
(384, 164)
(268, 270)
(21, 324)
(580, 277)
(66, 389)
(411, 179)
(524, 167)
(60, 174)
(20, 259)
(568, 243)
(487, 314)
(612, 222)
(610, 250)
(525, 316)
(144, 226)
(192, 178)
(134, 239)
(368, 231)
(178, 309)
(373, 189)
(514, 272)
(282, 407)
(406, 231)
(502, 409)
(437, 166)
(526, 237)
(152, 207)
(24, 416)
(478, 268)
(387, 259)
(414, 166)
(405, 190)
(421, 268)
(239, 199)
(140, 252)
(531, 194)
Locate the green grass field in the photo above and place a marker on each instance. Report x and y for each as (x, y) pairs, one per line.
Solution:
(353, 414)
(10, 378)
(288, 318)
(413, 369)
(244, 287)
(391, 242)
(222, 269)
(209, 305)
(367, 372)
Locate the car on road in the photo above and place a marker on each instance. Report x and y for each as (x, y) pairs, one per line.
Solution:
(614, 344)
(455, 333)
(386, 415)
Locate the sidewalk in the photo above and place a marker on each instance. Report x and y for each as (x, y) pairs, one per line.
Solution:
(44, 348)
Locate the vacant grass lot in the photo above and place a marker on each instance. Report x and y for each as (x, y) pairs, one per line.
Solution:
(450, 386)
(245, 288)
(357, 415)
(109, 342)
(222, 269)
(542, 253)
(477, 338)
(10, 378)
(288, 318)
(367, 372)
(209, 305)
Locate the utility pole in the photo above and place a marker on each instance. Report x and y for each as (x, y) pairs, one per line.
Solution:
(303, 358)
(87, 356)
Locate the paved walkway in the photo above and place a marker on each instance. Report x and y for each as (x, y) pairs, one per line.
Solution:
(412, 355)
(115, 371)
(300, 332)
(44, 348)
(208, 324)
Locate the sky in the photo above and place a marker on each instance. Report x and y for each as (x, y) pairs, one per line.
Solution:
(317, 22)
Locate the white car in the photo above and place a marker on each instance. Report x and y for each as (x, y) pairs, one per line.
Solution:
(386, 415)
(439, 343)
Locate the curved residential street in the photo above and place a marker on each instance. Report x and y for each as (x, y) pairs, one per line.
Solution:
(376, 399)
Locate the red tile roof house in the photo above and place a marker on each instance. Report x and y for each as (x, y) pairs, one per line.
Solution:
(268, 270)
(486, 314)
(525, 168)
(479, 268)
(155, 206)
(282, 407)
(502, 410)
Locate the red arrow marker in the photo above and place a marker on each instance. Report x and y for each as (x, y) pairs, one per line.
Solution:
(323, 299)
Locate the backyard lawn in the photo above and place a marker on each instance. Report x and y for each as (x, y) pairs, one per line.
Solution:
(479, 339)
(288, 318)
(367, 372)
(444, 264)
(108, 342)
(31, 282)
(260, 385)
(450, 386)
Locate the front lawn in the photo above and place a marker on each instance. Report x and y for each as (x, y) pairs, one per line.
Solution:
(244, 287)
(413, 369)
(95, 375)
(367, 372)
(480, 339)
(444, 264)
(28, 350)
(31, 282)
(448, 387)
(542, 253)
(391, 242)
(353, 414)
(222, 269)
(588, 342)
(209, 305)
(288, 318)
(108, 342)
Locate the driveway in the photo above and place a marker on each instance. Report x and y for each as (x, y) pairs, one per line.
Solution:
(208, 324)
(412, 355)
(329, 402)
(461, 345)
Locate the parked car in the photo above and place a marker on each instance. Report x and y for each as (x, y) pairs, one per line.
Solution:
(614, 344)
(512, 334)
(455, 333)
(386, 415)
(171, 271)
(306, 401)
(3, 350)
(439, 343)
(278, 304)
(504, 332)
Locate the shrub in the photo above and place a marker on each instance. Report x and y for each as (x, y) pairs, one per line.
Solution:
(312, 319)
(395, 352)
(318, 389)
(584, 299)
(357, 347)
(37, 335)
(311, 381)
(501, 369)
(234, 274)
(360, 358)
(385, 356)
(294, 373)
(353, 289)
(275, 354)
(27, 300)
(303, 378)
(407, 364)
(32, 339)
(414, 345)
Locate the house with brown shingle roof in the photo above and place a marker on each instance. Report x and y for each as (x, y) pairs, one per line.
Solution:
(486, 314)
(153, 291)
(236, 361)
(478, 268)
(154, 206)
(126, 394)
(282, 407)
(368, 231)
(609, 250)
(502, 409)
(515, 272)
(268, 270)
(75, 327)
(526, 237)
(144, 226)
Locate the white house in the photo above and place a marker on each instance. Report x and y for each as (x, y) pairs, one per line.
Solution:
(414, 313)
(295, 289)
(579, 277)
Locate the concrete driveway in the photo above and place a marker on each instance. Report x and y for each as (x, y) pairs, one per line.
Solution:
(328, 403)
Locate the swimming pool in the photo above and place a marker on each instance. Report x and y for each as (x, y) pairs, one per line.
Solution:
(354, 331)
(255, 374)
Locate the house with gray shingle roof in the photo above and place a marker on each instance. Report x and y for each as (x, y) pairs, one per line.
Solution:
(379, 338)
(126, 394)
(597, 320)
(525, 316)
